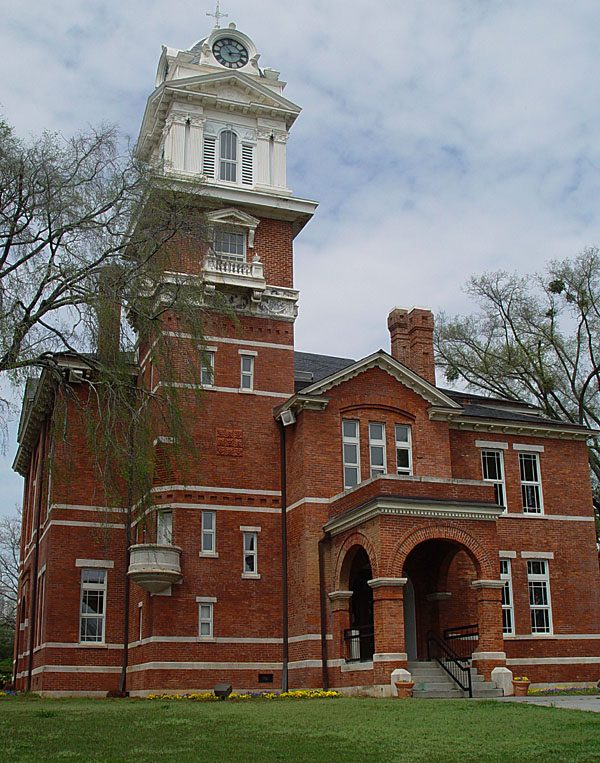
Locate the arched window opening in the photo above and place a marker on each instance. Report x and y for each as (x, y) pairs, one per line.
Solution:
(228, 156)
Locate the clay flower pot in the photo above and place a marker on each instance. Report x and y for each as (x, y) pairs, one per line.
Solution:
(405, 689)
(521, 688)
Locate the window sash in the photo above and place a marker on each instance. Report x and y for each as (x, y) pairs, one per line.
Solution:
(164, 528)
(205, 619)
(247, 372)
(92, 606)
(228, 156)
(403, 449)
(350, 453)
(492, 465)
(208, 532)
(207, 370)
(377, 448)
(531, 486)
(538, 580)
(508, 626)
(230, 245)
(250, 553)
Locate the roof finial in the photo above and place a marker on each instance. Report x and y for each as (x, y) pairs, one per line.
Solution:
(218, 15)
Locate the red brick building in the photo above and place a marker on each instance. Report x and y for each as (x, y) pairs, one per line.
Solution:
(342, 519)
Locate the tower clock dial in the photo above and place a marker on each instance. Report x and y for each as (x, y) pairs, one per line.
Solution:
(230, 53)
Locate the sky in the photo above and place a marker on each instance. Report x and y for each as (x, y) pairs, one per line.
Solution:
(442, 138)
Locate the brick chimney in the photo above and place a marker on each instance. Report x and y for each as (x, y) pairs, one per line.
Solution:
(411, 333)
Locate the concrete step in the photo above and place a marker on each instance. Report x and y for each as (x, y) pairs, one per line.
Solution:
(437, 694)
(432, 681)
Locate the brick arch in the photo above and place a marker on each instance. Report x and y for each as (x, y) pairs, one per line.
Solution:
(355, 539)
(483, 564)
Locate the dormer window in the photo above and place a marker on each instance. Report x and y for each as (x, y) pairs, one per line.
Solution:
(228, 156)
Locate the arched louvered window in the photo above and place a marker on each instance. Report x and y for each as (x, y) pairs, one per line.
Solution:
(228, 156)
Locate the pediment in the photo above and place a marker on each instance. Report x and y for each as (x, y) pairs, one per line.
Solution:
(232, 216)
(390, 365)
(233, 86)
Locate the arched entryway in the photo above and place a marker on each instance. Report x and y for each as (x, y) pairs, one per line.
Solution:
(359, 638)
(441, 597)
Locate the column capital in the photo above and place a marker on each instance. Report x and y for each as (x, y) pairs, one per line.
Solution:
(387, 582)
(487, 583)
(339, 595)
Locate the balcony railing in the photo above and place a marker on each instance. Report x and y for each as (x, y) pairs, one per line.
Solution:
(221, 271)
(360, 643)
(237, 267)
(154, 566)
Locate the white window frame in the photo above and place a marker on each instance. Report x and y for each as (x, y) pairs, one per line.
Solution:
(404, 445)
(84, 616)
(245, 374)
(377, 445)
(140, 619)
(499, 484)
(508, 619)
(250, 556)
(228, 255)
(231, 164)
(531, 487)
(209, 533)
(353, 441)
(207, 367)
(206, 613)
(539, 581)
(164, 527)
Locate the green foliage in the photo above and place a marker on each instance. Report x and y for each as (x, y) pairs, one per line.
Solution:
(342, 730)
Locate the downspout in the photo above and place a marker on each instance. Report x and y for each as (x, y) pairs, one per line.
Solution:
(32, 608)
(323, 600)
(284, 566)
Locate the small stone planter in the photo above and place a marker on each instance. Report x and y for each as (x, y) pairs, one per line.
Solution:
(521, 688)
(404, 688)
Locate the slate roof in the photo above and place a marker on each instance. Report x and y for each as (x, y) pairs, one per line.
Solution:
(310, 367)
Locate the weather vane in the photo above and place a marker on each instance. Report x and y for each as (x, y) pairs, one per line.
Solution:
(218, 15)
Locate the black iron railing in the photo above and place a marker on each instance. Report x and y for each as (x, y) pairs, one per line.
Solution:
(360, 643)
(462, 640)
(458, 668)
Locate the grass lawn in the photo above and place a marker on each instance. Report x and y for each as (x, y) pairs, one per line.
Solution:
(294, 730)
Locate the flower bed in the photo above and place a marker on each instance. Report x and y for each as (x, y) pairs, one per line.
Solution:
(210, 697)
(557, 690)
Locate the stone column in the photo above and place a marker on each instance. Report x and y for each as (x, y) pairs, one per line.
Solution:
(490, 650)
(340, 621)
(388, 617)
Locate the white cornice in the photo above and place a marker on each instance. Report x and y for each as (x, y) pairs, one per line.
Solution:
(401, 373)
(561, 430)
(430, 509)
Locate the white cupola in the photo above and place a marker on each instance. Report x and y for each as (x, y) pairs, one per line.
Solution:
(217, 117)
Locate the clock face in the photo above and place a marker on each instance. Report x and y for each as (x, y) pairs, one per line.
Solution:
(230, 53)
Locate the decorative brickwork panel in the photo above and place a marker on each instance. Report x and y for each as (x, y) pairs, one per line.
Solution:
(229, 442)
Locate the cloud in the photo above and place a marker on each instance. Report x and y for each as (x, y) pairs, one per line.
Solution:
(442, 138)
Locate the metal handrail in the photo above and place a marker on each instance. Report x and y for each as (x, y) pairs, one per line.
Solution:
(463, 638)
(451, 662)
(360, 643)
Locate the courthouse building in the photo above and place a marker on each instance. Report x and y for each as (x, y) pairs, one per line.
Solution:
(344, 518)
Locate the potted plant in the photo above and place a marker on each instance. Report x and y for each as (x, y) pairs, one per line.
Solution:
(521, 685)
(404, 688)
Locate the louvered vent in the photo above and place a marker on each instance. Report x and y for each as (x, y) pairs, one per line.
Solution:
(208, 156)
(247, 164)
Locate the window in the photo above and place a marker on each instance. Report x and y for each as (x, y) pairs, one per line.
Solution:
(230, 245)
(207, 369)
(493, 471)
(250, 553)
(377, 448)
(228, 156)
(208, 532)
(40, 607)
(507, 603)
(141, 619)
(403, 450)
(92, 610)
(164, 528)
(531, 488)
(539, 596)
(205, 619)
(247, 372)
(350, 450)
